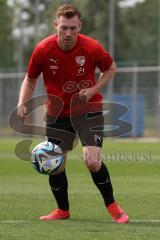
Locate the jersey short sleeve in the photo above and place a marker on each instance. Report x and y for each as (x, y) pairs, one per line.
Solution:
(35, 63)
(103, 58)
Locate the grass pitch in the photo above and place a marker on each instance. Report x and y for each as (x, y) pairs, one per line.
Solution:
(25, 195)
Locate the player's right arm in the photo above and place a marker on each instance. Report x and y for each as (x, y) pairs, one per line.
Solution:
(26, 92)
(28, 84)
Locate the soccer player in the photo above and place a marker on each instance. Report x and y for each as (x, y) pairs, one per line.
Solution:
(68, 61)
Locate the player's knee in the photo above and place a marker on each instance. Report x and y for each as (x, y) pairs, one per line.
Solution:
(92, 158)
(93, 166)
(92, 162)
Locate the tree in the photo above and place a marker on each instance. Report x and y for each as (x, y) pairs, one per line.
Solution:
(6, 41)
(136, 28)
(29, 26)
(137, 33)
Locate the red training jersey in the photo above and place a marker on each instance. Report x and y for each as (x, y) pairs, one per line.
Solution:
(66, 72)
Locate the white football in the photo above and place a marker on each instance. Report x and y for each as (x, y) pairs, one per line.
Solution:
(47, 158)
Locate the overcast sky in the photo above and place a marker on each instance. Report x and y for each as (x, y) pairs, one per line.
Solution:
(129, 3)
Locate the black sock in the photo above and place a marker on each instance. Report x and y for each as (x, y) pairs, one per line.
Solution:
(59, 187)
(103, 183)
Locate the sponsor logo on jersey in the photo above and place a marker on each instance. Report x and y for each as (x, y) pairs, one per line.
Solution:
(53, 60)
(80, 60)
(53, 67)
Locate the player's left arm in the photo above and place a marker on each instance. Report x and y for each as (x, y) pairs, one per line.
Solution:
(104, 79)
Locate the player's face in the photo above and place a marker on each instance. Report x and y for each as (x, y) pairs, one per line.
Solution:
(67, 30)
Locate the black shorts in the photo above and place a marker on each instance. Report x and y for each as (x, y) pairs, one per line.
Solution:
(64, 131)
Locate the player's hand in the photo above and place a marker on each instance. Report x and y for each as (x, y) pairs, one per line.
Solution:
(86, 94)
(22, 112)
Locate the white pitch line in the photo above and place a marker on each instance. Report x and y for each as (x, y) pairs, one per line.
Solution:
(15, 221)
(145, 221)
(130, 221)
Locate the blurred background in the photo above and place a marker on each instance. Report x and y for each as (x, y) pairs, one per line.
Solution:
(128, 29)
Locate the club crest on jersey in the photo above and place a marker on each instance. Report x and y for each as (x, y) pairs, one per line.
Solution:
(80, 60)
